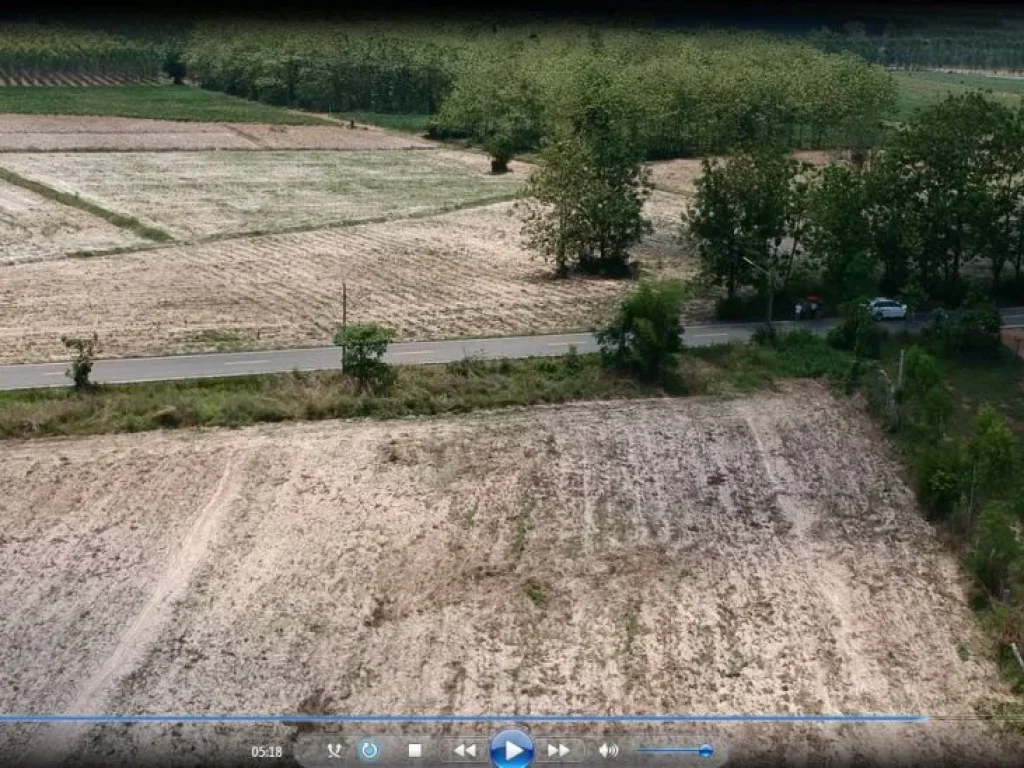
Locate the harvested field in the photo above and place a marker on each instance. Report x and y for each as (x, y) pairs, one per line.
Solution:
(460, 274)
(680, 176)
(200, 194)
(49, 133)
(34, 228)
(613, 558)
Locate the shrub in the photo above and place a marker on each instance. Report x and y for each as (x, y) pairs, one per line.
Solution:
(646, 335)
(765, 335)
(980, 324)
(924, 396)
(973, 331)
(364, 348)
(858, 332)
(993, 450)
(82, 360)
(997, 550)
(943, 474)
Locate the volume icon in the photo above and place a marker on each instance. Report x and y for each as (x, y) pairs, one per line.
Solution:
(608, 750)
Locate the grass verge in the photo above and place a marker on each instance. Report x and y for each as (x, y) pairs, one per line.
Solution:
(162, 102)
(419, 390)
(125, 222)
(453, 388)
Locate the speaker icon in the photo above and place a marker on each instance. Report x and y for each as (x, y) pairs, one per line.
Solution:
(608, 750)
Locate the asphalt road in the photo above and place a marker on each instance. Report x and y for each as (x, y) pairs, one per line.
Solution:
(138, 369)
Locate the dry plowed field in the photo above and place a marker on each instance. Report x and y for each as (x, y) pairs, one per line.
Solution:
(35, 228)
(460, 274)
(680, 176)
(740, 556)
(197, 194)
(45, 133)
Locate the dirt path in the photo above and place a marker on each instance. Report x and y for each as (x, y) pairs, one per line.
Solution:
(148, 625)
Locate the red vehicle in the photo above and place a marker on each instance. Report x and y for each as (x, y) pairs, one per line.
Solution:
(810, 307)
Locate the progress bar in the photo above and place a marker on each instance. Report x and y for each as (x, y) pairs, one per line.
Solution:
(464, 718)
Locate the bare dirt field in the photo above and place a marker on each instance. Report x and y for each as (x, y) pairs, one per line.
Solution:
(34, 228)
(46, 133)
(680, 176)
(197, 194)
(460, 274)
(758, 555)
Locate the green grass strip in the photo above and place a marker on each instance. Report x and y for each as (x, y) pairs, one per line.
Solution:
(160, 102)
(74, 201)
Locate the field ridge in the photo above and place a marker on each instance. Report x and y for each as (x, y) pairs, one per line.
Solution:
(75, 201)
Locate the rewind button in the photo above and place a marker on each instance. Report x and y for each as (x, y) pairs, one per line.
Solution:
(466, 750)
(560, 751)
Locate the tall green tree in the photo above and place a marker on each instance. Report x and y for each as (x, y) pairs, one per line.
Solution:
(497, 104)
(948, 160)
(583, 206)
(838, 237)
(748, 219)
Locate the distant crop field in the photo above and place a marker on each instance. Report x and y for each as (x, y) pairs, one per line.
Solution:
(920, 89)
(34, 228)
(48, 133)
(459, 274)
(164, 102)
(200, 194)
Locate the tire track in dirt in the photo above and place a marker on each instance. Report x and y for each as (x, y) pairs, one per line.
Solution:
(54, 749)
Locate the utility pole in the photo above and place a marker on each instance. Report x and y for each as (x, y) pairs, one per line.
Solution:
(770, 274)
(344, 320)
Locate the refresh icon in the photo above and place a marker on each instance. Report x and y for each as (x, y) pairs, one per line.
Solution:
(368, 750)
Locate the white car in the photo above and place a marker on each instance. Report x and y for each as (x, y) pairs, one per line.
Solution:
(887, 309)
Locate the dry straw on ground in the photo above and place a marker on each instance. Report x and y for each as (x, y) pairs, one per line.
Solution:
(642, 557)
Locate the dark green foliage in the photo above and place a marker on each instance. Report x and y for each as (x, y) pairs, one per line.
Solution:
(748, 219)
(973, 331)
(858, 332)
(583, 207)
(997, 551)
(924, 399)
(687, 93)
(174, 67)
(646, 335)
(84, 351)
(994, 453)
(765, 335)
(364, 348)
(943, 476)
(838, 234)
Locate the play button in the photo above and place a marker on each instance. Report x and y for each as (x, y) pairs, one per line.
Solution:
(511, 749)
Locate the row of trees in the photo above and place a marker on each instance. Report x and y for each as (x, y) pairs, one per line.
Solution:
(967, 48)
(36, 51)
(505, 88)
(942, 201)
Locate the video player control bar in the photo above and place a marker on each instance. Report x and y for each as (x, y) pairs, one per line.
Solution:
(509, 748)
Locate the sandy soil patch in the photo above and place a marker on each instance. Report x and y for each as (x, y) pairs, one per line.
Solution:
(197, 194)
(741, 556)
(34, 228)
(66, 132)
(459, 274)
(680, 176)
(1014, 339)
